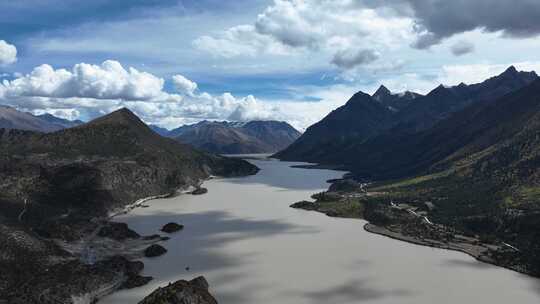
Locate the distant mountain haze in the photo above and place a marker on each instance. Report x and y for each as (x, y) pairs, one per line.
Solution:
(10, 118)
(235, 137)
(64, 123)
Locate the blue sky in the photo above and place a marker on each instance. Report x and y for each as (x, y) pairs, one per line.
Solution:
(288, 60)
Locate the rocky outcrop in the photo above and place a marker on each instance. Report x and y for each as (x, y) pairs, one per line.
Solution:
(172, 227)
(182, 292)
(199, 191)
(154, 250)
(117, 231)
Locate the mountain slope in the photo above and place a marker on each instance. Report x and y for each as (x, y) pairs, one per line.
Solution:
(442, 101)
(395, 102)
(480, 172)
(10, 118)
(106, 163)
(63, 123)
(237, 138)
(58, 190)
(476, 128)
(394, 130)
(360, 118)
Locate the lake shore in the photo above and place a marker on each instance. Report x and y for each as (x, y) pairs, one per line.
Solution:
(409, 224)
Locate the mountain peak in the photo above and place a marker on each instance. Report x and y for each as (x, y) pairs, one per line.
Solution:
(381, 93)
(383, 90)
(123, 116)
(510, 70)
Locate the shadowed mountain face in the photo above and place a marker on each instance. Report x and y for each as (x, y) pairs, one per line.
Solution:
(10, 118)
(442, 101)
(360, 118)
(393, 117)
(237, 137)
(106, 163)
(480, 127)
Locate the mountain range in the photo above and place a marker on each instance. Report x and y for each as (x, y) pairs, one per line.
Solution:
(223, 137)
(368, 118)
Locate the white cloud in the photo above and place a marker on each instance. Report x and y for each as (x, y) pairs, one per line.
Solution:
(241, 40)
(106, 81)
(184, 85)
(87, 91)
(69, 114)
(331, 28)
(8, 53)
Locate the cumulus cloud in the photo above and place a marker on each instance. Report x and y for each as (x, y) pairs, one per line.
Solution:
(87, 91)
(184, 85)
(348, 59)
(241, 40)
(291, 23)
(106, 81)
(8, 53)
(332, 28)
(462, 47)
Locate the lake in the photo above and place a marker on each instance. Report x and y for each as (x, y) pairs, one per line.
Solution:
(252, 248)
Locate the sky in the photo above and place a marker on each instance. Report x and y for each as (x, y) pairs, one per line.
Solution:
(176, 62)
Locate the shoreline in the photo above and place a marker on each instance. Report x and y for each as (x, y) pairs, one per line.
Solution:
(187, 189)
(385, 232)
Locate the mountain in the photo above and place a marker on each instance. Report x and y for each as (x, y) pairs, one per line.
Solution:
(237, 137)
(159, 130)
(372, 131)
(464, 133)
(57, 193)
(106, 163)
(360, 118)
(479, 169)
(395, 102)
(11, 118)
(61, 122)
(442, 101)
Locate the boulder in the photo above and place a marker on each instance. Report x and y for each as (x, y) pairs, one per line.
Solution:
(199, 191)
(172, 227)
(154, 251)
